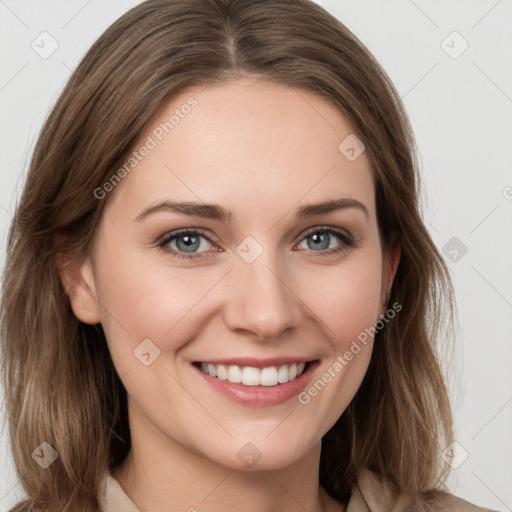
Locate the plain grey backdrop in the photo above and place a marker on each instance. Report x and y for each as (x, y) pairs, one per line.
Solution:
(451, 62)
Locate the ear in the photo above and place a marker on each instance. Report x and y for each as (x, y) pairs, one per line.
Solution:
(79, 284)
(389, 268)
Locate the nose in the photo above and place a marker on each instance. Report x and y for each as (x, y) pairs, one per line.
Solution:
(262, 299)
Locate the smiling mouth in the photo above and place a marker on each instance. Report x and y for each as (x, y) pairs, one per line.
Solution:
(251, 376)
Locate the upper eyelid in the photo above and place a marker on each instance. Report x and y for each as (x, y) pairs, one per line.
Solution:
(170, 235)
(330, 229)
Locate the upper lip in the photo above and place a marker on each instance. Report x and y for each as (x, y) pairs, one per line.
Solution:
(259, 363)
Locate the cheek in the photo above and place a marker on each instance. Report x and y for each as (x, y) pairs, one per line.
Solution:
(347, 302)
(347, 298)
(146, 299)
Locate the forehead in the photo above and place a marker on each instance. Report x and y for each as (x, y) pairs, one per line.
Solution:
(246, 144)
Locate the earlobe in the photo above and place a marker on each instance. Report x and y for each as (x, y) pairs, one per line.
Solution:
(79, 285)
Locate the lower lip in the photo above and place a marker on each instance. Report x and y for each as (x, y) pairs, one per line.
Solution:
(260, 396)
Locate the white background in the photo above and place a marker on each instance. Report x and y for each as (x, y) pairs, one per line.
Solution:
(461, 112)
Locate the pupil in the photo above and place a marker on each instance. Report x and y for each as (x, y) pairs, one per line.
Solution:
(320, 241)
(187, 243)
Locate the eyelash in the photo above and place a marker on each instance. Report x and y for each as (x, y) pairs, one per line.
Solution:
(346, 240)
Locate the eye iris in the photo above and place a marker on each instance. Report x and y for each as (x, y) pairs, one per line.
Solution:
(320, 240)
(187, 243)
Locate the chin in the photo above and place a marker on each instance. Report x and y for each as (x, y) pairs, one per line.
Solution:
(264, 453)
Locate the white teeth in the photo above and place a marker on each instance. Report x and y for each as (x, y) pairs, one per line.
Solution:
(268, 376)
(250, 376)
(222, 372)
(212, 370)
(282, 375)
(234, 374)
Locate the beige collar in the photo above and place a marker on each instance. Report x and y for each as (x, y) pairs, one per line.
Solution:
(369, 495)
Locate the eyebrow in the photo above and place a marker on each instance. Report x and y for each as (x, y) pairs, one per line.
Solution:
(329, 206)
(216, 212)
(209, 211)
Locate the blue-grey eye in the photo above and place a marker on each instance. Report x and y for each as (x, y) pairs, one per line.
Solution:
(189, 242)
(321, 240)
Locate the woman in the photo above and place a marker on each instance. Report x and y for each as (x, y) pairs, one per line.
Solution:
(238, 302)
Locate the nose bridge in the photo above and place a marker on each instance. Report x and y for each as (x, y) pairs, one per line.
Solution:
(262, 299)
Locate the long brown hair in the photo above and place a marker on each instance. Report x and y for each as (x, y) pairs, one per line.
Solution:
(60, 384)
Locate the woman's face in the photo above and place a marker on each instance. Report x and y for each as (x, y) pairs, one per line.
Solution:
(243, 242)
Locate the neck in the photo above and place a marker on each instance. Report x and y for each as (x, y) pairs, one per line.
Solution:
(175, 478)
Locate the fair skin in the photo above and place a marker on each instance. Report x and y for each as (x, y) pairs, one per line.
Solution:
(262, 151)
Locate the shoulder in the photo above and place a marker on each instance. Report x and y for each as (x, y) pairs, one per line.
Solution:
(374, 494)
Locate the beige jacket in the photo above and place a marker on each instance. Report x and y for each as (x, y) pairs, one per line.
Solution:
(367, 496)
